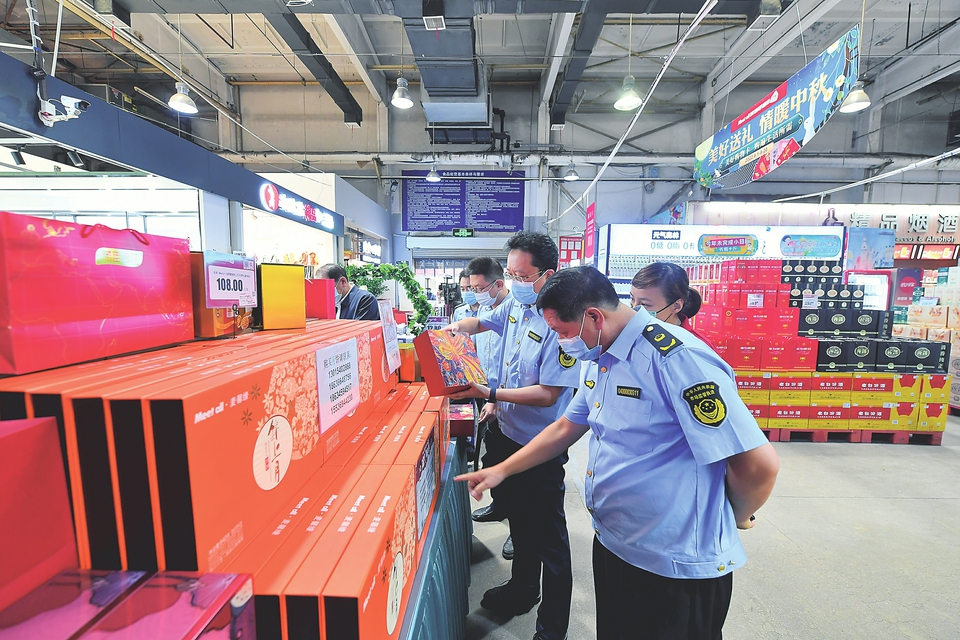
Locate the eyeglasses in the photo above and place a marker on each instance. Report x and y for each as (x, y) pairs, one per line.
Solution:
(482, 289)
(536, 276)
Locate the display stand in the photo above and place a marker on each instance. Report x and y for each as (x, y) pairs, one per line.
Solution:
(438, 604)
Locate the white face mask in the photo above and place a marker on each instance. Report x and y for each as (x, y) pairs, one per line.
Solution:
(576, 348)
(484, 298)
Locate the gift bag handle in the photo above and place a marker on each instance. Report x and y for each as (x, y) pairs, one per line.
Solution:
(88, 229)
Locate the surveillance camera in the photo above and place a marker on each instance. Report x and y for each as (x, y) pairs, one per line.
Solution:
(74, 106)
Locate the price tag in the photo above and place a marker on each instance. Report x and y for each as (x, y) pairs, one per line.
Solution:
(754, 300)
(811, 302)
(230, 280)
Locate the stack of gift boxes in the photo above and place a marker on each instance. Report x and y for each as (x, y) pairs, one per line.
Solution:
(220, 463)
(808, 356)
(933, 314)
(176, 492)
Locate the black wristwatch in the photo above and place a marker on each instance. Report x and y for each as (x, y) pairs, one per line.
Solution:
(493, 394)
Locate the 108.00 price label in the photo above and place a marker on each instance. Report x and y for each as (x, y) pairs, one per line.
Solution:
(231, 284)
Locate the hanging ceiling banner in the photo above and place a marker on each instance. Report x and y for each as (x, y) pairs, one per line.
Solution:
(770, 132)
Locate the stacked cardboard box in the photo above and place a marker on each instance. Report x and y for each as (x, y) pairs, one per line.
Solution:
(840, 401)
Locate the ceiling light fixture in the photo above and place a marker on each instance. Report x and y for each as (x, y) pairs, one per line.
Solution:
(432, 175)
(571, 174)
(181, 102)
(629, 99)
(401, 97)
(858, 100)
(18, 156)
(75, 158)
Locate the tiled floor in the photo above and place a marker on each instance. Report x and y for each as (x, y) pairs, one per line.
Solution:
(857, 541)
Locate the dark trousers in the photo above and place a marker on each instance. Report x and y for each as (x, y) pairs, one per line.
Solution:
(533, 502)
(633, 604)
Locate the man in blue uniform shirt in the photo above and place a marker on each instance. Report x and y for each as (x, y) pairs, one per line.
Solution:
(486, 282)
(470, 305)
(677, 463)
(536, 382)
(353, 303)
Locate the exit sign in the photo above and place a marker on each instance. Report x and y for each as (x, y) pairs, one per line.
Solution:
(463, 233)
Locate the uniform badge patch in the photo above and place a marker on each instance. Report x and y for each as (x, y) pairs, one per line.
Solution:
(565, 361)
(512, 319)
(534, 336)
(590, 384)
(628, 392)
(705, 403)
(661, 339)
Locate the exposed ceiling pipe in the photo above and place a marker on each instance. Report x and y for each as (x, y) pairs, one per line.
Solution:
(834, 161)
(86, 12)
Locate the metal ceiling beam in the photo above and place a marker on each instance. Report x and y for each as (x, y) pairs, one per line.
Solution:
(292, 31)
(753, 49)
(588, 33)
(922, 64)
(355, 40)
(564, 28)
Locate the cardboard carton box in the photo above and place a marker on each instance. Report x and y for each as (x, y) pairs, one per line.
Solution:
(788, 416)
(67, 604)
(879, 386)
(832, 416)
(831, 388)
(935, 388)
(932, 417)
(914, 332)
(212, 323)
(36, 531)
(926, 357)
(906, 387)
(449, 362)
(790, 388)
(182, 606)
(760, 413)
(743, 354)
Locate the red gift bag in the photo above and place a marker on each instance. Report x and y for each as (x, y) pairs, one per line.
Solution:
(73, 292)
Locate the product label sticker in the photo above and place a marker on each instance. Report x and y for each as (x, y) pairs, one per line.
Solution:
(338, 382)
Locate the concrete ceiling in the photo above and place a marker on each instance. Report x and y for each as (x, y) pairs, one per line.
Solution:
(364, 42)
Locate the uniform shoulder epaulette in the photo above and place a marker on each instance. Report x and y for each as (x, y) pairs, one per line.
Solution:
(662, 340)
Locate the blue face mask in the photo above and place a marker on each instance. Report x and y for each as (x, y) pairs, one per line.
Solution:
(337, 297)
(469, 297)
(577, 348)
(523, 291)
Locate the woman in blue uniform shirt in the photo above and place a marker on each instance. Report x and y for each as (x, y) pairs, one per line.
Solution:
(677, 463)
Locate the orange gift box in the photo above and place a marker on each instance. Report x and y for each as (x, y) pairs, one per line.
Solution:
(441, 406)
(213, 323)
(74, 292)
(448, 361)
(36, 532)
(302, 596)
(294, 541)
(368, 590)
(182, 606)
(421, 455)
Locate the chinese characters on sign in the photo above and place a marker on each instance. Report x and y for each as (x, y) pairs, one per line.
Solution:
(775, 128)
(480, 200)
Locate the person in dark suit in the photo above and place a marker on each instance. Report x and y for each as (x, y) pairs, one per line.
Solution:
(353, 303)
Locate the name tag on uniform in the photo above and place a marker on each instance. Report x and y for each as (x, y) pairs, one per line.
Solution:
(534, 336)
(628, 392)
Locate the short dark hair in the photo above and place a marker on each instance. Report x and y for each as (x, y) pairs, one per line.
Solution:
(544, 254)
(463, 274)
(672, 281)
(333, 271)
(489, 268)
(569, 293)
